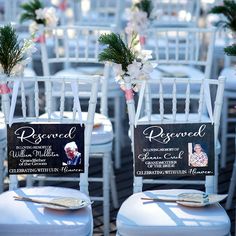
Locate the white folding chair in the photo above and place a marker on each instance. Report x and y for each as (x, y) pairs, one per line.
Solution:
(21, 218)
(77, 48)
(136, 217)
(99, 13)
(176, 13)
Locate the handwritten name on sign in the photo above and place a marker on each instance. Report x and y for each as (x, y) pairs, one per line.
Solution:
(174, 149)
(45, 148)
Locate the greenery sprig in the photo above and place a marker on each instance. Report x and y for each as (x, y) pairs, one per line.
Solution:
(30, 11)
(228, 9)
(10, 49)
(117, 51)
(230, 50)
(145, 6)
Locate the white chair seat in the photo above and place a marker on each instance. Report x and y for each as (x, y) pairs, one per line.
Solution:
(178, 71)
(102, 132)
(230, 74)
(21, 218)
(87, 70)
(137, 217)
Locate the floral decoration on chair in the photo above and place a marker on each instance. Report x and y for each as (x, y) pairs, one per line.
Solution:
(139, 17)
(127, 62)
(228, 10)
(14, 55)
(35, 11)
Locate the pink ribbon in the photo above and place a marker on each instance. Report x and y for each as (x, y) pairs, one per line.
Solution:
(40, 39)
(129, 94)
(142, 40)
(4, 89)
(63, 5)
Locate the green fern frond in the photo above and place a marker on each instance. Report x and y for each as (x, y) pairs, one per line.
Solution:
(10, 49)
(29, 11)
(145, 6)
(116, 51)
(230, 50)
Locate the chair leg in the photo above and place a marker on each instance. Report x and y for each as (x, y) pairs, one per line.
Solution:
(2, 158)
(114, 195)
(231, 187)
(209, 185)
(224, 130)
(117, 118)
(215, 183)
(106, 199)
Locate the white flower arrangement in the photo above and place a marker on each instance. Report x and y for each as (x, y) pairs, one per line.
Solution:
(140, 15)
(125, 59)
(139, 69)
(39, 14)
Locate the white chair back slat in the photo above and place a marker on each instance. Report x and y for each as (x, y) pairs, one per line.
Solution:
(23, 99)
(62, 100)
(36, 100)
(182, 46)
(174, 101)
(201, 101)
(161, 101)
(187, 102)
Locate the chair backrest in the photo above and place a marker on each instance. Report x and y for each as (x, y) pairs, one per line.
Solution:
(176, 13)
(99, 12)
(70, 44)
(18, 111)
(182, 46)
(77, 47)
(169, 109)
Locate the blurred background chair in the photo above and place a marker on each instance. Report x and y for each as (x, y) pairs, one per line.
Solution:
(130, 220)
(75, 50)
(176, 13)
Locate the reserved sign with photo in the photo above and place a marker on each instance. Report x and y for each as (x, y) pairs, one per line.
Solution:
(174, 149)
(45, 148)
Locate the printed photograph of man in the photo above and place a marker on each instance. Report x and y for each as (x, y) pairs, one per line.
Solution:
(73, 156)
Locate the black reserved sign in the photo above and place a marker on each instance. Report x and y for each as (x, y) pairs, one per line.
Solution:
(174, 149)
(45, 148)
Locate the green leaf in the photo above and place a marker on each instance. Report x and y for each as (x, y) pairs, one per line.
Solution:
(29, 11)
(145, 6)
(116, 51)
(10, 49)
(230, 50)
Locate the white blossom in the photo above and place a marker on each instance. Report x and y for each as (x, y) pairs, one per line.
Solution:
(40, 14)
(118, 69)
(137, 21)
(134, 69)
(47, 14)
(50, 16)
(33, 28)
(18, 69)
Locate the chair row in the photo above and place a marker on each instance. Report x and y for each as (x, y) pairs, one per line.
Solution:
(135, 217)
